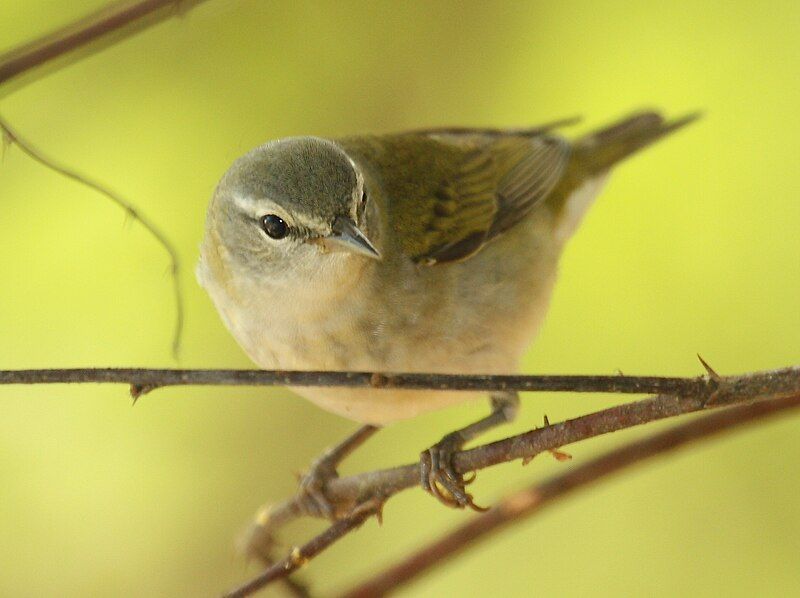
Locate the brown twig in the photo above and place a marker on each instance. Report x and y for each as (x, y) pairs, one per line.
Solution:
(35, 154)
(119, 18)
(300, 556)
(145, 380)
(533, 499)
(293, 586)
(349, 492)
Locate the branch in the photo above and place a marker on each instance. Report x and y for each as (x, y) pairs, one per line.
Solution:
(32, 152)
(359, 496)
(146, 380)
(120, 18)
(531, 500)
(300, 556)
(350, 492)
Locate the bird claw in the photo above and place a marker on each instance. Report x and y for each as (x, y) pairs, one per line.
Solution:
(311, 494)
(439, 478)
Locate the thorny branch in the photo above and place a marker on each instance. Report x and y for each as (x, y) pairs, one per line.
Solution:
(530, 501)
(298, 557)
(144, 380)
(348, 493)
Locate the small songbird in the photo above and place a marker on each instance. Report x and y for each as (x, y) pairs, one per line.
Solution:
(423, 251)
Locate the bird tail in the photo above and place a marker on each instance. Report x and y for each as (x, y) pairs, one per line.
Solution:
(605, 147)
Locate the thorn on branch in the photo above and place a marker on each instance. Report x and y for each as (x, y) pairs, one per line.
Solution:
(716, 380)
(560, 455)
(139, 390)
(379, 511)
(709, 370)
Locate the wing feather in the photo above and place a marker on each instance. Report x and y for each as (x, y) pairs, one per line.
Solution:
(496, 185)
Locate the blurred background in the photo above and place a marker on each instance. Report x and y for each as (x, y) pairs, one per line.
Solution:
(693, 247)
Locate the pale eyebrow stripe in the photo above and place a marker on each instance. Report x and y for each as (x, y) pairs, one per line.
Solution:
(244, 202)
(357, 172)
(254, 207)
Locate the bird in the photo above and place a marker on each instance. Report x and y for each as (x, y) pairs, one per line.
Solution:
(430, 250)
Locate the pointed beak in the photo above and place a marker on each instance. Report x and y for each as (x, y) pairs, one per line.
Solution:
(346, 236)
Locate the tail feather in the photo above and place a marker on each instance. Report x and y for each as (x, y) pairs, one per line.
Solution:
(605, 147)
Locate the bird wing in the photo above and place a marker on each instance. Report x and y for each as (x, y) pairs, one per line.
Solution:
(496, 182)
(484, 181)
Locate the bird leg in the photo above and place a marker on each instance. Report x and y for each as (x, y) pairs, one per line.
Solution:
(311, 494)
(437, 474)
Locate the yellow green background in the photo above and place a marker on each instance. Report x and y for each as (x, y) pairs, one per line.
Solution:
(694, 247)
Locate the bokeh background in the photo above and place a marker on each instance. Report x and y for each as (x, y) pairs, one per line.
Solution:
(694, 247)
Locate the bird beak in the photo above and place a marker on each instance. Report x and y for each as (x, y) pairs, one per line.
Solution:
(346, 236)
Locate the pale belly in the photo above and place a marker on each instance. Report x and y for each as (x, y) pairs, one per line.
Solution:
(474, 317)
(332, 345)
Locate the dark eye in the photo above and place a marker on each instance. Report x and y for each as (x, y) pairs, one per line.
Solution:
(274, 226)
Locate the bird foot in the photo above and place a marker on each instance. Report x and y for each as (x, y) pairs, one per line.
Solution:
(311, 495)
(439, 478)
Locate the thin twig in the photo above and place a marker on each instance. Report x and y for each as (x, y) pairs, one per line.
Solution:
(145, 379)
(35, 154)
(120, 18)
(293, 585)
(531, 500)
(300, 556)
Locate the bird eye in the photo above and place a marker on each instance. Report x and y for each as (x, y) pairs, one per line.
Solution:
(274, 226)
